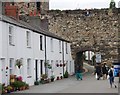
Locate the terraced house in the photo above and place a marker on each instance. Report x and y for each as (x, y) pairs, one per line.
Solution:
(25, 49)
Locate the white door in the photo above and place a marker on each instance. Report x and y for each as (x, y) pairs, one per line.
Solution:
(2, 71)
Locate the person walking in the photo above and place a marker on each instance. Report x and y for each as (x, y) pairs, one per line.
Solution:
(104, 71)
(111, 77)
(98, 71)
(78, 73)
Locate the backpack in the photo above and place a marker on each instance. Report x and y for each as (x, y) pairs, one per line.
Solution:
(110, 73)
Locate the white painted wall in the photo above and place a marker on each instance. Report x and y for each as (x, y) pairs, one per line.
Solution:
(1, 29)
(20, 50)
(54, 55)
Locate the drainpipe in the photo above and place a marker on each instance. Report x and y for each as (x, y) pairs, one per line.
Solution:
(63, 55)
(45, 55)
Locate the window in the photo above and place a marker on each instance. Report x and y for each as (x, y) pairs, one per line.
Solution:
(28, 66)
(66, 48)
(41, 42)
(11, 66)
(60, 46)
(11, 35)
(28, 37)
(51, 44)
(41, 67)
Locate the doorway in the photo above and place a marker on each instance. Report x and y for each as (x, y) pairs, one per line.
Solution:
(36, 70)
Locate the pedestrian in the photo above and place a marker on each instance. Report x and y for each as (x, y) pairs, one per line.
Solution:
(104, 71)
(107, 69)
(98, 71)
(111, 77)
(78, 73)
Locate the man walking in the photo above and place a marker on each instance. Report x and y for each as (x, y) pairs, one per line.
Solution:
(111, 77)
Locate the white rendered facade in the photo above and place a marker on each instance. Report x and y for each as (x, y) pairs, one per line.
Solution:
(33, 49)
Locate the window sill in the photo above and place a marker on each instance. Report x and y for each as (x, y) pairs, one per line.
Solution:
(11, 44)
(28, 46)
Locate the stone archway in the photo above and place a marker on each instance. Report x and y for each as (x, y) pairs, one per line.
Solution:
(99, 30)
(79, 56)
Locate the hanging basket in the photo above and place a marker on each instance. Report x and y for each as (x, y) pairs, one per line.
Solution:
(18, 63)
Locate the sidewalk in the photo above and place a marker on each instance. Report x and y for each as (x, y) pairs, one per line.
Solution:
(70, 85)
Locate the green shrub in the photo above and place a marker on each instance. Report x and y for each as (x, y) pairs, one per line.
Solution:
(18, 84)
(66, 74)
(36, 83)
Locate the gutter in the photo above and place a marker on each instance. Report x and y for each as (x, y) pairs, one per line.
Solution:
(45, 54)
(63, 55)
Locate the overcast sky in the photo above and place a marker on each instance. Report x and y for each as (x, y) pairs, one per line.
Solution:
(80, 4)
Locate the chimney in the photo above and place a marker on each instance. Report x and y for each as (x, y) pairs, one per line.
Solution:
(11, 10)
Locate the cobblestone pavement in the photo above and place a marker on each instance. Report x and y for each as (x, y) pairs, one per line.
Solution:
(70, 85)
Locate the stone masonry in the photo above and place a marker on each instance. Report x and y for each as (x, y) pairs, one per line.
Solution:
(95, 29)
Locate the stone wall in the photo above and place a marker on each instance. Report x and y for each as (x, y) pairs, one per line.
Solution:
(95, 29)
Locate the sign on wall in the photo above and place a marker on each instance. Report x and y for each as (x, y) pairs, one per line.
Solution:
(98, 58)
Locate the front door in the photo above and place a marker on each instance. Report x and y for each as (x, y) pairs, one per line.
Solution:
(3, 76)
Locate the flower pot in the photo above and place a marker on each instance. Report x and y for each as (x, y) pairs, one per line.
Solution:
(58, 78)
(57, 65)
(52, 79)
(61, 65)
(61, 77)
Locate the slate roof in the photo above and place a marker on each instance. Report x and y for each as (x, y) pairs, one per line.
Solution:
(30, 27)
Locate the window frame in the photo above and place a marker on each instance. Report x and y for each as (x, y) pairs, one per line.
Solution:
(28, 67)
(51, 44)
(11, 35)
(11, 66)
(28, 39)
(66, 47)
(41, 42)
(60, 46)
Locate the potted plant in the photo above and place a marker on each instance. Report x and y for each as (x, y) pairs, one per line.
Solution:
(9, 88)
(43, 78)
(49, 66)
(66, 74)
(18, 63)
(36, 83)
(61, 65)
(52, 78)
(19, 78)
(61, 77)
(57, 65)
(57, 77)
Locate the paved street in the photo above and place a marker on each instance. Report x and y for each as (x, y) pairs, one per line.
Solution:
(70, 85)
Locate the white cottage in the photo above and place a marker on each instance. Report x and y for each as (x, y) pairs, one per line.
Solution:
(34, 47)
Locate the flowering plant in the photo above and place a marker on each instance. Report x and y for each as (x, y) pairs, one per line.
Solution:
(19, 78)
